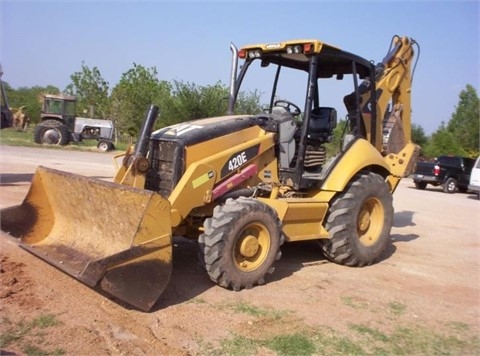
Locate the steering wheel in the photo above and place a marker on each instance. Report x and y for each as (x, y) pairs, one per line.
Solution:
(287, 104)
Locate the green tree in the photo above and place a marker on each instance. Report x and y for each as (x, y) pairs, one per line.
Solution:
(465, 122)
(418, 135)
(335, 145)
(189, 101)
(137, 89)
(248, 103)
(443, 142)
(29, 98)
(91, 91)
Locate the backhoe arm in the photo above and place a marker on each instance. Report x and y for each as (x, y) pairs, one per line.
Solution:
(392, 127)
(393, 86)
(393, 100)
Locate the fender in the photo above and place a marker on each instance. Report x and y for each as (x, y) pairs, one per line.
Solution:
(360, 155)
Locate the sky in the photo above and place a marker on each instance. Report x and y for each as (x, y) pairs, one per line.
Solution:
(44, 42)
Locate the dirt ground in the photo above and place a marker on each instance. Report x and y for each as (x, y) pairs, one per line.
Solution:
(432, 274)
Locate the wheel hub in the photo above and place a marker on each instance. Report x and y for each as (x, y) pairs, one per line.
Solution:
(51, 136)
(364, 220)
(252, 247)
(249, 246)
(370, 221)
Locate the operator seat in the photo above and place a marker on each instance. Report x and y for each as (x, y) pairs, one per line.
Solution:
(320, 131)
(322, 122)
(286, 131)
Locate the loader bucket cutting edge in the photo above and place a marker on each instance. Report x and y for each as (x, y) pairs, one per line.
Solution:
(114, 238)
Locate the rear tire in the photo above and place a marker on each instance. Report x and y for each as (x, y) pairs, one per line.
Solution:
(241, 243)
(51, 132)
(359, 222)
(420, 185)
(450, 186)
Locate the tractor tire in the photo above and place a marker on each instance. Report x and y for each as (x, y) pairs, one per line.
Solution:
(4, 122)
(241, 242)
(420, 185)
(359, 222)
(105, 146)
(51, 132)
(450, 186)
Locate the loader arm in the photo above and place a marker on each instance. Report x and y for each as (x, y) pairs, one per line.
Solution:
(135, 165)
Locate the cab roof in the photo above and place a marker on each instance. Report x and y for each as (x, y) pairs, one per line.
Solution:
(296, 54)
(59, 97)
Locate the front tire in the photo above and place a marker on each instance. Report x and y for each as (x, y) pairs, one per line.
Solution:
(359, 222)
(105, 146)
(51, 132)
(241, 242)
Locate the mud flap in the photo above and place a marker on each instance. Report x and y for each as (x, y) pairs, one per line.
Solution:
(114, 238)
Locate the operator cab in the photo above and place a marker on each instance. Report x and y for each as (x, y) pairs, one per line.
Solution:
(303, 134)
(323, 121)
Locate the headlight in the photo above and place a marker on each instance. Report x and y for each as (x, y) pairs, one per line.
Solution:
(294, 49)
(254, 54)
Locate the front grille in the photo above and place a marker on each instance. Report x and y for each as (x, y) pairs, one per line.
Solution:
(166, 166)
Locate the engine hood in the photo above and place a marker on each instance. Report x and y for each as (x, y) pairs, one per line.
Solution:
(196, 131)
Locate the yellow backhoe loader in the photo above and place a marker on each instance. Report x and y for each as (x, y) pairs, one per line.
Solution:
(241, 184)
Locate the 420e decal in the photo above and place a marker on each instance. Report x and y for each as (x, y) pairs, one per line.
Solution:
(238, 159)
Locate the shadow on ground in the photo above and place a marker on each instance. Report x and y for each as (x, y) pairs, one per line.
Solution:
(189, 278)
(9, 179)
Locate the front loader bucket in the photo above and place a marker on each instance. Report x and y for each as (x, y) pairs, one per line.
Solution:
(114, 238)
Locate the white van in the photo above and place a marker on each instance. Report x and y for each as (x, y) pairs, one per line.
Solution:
(474, 184)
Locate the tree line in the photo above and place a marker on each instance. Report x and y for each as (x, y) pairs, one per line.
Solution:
(180, 101)
(460, 136)
(126, 103)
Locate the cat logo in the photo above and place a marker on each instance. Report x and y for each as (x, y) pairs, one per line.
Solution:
(181, 129)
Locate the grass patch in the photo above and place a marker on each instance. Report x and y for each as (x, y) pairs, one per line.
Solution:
(458, 326)
(237, 346)
(198, 300)
(414, 340)
(36, 351)
(252, 310)
(397, 308)
(29, 335)
(370, 332)
(14, 137)
(353, 303)
(364, 340)
(275, 335)
(293, 344)
(45, 321)
(249, 309)
(290, 344)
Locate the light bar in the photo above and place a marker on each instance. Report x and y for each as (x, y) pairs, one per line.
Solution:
(287, 47)
(294, 49)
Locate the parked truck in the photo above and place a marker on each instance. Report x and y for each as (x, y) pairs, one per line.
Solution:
(474, 184)
(450, 172)
(241, 184)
